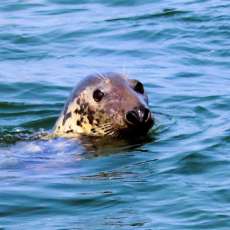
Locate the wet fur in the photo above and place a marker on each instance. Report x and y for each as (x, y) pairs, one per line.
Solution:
(83, 116)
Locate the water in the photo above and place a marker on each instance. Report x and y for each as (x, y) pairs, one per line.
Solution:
(178, 177)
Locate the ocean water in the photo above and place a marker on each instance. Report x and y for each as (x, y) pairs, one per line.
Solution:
(178, 177)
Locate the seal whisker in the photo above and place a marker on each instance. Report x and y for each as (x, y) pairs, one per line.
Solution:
(106, 128)
(100, 75)
(105, 125)
(111, 132)
(124, 69)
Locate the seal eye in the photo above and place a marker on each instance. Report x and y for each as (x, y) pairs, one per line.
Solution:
(139, 87)
(98, 95)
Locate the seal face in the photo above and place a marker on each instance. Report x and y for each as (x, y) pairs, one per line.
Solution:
(105, 105)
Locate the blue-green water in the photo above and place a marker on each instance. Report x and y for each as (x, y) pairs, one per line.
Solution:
(179, 177)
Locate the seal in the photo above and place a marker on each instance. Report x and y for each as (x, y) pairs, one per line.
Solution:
(106, 104)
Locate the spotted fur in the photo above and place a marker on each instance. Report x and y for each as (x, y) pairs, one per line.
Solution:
(82, 115)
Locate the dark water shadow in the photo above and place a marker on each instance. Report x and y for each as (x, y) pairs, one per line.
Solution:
(97, 146)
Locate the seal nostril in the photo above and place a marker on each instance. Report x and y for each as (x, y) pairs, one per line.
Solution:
(137, 117)
(146, 114)
(132, 117)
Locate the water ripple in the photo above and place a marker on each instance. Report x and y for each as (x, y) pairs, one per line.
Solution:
(178, 177)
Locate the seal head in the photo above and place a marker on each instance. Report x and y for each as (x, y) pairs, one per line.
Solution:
(106, 105)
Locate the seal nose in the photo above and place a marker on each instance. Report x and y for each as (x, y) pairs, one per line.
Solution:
(138, 117)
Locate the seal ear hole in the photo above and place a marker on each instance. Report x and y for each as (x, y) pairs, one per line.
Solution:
(139, 87)
(98, 95)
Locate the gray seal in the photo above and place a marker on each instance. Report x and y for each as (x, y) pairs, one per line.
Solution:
(107, 104)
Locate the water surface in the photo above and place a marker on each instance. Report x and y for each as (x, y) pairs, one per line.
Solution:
(176, 178)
